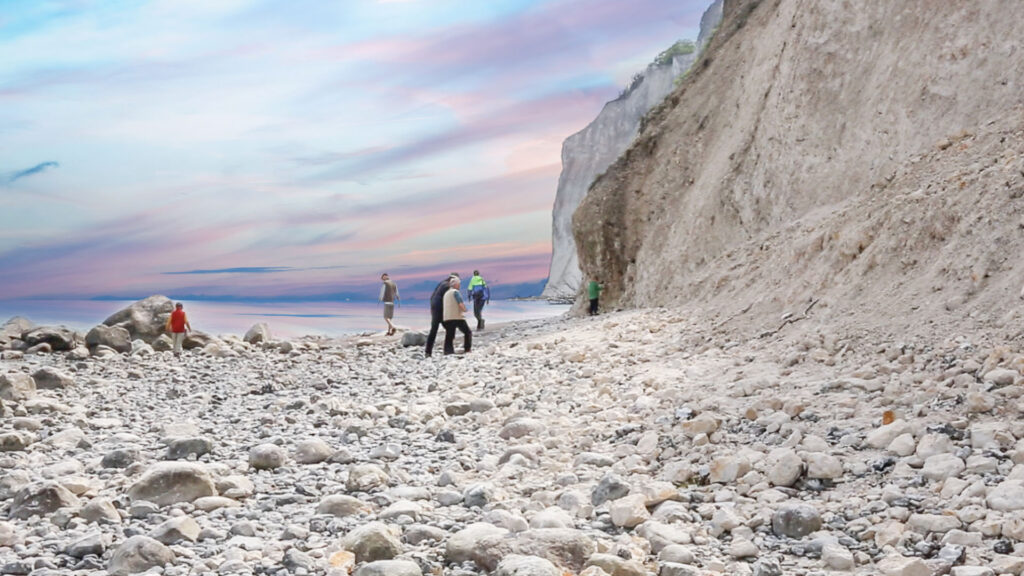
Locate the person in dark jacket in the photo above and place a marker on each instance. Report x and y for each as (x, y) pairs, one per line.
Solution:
(437, 311)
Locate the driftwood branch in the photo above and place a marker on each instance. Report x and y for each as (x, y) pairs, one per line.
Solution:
(733, 317)
(790, 320)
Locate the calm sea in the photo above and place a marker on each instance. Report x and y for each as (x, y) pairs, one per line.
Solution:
(285, 319)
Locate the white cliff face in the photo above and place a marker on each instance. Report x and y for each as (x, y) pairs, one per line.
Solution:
(590, 151)
(793, 169)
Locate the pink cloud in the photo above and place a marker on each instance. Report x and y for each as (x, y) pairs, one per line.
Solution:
(440, 209)
(561, 31)
(559, 114)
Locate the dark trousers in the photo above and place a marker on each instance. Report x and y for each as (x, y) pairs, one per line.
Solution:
(593, 306)
(478, 311)
(449, 335)
(435, 323)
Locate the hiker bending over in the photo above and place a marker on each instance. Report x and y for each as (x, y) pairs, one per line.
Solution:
(437, 311)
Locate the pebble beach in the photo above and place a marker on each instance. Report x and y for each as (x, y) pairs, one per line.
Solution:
(631, 443)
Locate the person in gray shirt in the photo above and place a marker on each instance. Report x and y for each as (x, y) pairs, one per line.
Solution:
(389, 296)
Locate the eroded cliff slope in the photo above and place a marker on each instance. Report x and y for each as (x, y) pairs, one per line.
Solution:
(588, 153)
(864, 157)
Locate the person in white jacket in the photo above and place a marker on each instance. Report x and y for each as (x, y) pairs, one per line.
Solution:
(455, 318)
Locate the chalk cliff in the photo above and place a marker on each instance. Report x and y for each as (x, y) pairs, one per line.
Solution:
(865, 158)
(589, 152)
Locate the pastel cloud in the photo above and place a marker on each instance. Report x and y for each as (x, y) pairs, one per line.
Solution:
(520, 118)
(37, 169)
(241, 270)
(548, 35)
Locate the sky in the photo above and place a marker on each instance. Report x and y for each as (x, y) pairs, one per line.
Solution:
(264, 149)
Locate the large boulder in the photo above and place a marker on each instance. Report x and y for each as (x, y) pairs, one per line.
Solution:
(176, 529)
(610, 487)
(58, 338)
(120, 457)
(41, 499)
(138, 554)
(365, 478)
(144, 319)
(100, 511)
(15, 441)
(258, 334)
(413, 338)
(390, 568)
(611, 564)
(662, 535)
(140, 348)
(629, 511)
(566, 548)
(899, 565)
(517, 565)
(16, 386)
(371, 542)
(183, 448)
(116, 337)
(50, 378)
(15, 327)
(163, 343)
(1007, 496)
(796, 521)
(465, 544)
(312, 451)
(342, 505)
(267, 457)
(195, 340)
(9, 535)
(94, 543)
(41, 348)
(170, 482)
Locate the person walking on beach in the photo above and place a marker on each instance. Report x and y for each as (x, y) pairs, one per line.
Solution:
(594, 293)
(480, 294)
(437, 311)
(178, 326)
(388, 295)
(455, 318)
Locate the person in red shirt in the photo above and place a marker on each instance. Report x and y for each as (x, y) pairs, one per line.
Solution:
(178, 326)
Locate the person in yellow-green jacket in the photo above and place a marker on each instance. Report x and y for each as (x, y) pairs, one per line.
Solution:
(594, 292)
(480, 294)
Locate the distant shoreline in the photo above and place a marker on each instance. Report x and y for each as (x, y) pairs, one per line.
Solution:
(289, 319)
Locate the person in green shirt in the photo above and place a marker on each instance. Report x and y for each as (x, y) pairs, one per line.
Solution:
(480, 295)
(594, 292)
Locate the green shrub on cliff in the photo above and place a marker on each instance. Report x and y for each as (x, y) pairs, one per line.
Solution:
(680, 48)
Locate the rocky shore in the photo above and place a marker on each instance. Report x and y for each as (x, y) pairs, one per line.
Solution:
(633, 443)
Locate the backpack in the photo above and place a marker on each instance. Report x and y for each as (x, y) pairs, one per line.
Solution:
(481, 292)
